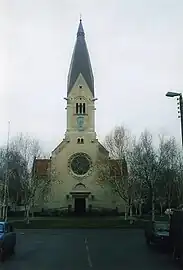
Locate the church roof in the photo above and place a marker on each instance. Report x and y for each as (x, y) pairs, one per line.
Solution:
(102, 148)
(118, 167)
(80, 62)
(41, 167)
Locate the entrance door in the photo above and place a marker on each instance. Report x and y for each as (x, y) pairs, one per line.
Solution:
(80, 206)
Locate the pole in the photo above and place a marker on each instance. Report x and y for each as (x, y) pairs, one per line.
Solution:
(6, 184)
(181, 116)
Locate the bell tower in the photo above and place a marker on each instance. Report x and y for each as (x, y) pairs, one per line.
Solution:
(80, 91)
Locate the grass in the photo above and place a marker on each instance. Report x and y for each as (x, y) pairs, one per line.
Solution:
(157, 217)
(77, 223)
(83, 222)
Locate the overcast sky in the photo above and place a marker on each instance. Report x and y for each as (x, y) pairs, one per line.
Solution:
(136, 50)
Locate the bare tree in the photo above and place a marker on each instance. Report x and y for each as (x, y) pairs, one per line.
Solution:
(28, 147)
(168, 154)
(178, 179)
(10, 168)
(35, 186)
(145, 165)
(118, 142)
(1, 198)
(140, 194)
(154, 168)
(114, 169)
(1, 182)
(135, 170)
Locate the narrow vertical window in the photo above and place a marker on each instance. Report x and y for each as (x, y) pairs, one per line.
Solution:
(84, 109)
(80, 108)
(77, 108)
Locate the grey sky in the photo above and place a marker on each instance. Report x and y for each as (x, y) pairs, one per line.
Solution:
(136, 50)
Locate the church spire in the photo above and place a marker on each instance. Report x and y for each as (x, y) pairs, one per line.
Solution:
(80, 62)
(80, 29)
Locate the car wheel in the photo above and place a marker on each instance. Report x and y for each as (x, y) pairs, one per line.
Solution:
(2, 255)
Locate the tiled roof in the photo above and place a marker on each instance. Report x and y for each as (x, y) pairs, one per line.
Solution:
(41, 167)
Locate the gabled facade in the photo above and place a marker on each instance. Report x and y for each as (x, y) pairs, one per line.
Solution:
(73, 161)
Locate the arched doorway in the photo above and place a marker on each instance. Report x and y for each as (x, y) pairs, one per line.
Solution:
(80, 206)
(80, 195)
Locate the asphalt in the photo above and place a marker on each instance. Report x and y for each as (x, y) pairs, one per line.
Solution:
(84, 250)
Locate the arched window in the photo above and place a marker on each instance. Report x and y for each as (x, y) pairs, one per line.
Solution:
(84, 109)
(80, 108)
(77, 108)
(80, 140)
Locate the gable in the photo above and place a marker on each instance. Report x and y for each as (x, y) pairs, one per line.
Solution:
(59, 147)
(102, 149)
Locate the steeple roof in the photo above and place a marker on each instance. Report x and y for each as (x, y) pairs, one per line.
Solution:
(80, 62)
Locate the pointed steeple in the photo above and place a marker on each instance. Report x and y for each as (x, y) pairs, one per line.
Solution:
(80, 30)
(80, 62)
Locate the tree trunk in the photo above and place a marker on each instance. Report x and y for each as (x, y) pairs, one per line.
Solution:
(3, 211)
(126, 211)
(131, 211)
(161, 208)
(140, 209)
(27, 215)
(6, 212)
(32, 213)
(25, 210)
(169, 199)
(169, 203)
(153, 206)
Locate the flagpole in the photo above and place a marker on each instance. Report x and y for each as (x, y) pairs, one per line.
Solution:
(6, 186)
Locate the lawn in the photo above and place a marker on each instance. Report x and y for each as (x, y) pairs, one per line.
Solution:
(59, 223)
(82, 222)
(157, 217)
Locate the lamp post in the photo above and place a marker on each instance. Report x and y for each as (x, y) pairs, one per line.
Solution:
(180, 108)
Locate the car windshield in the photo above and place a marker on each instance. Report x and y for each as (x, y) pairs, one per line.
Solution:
(162, 226)
(1, 228)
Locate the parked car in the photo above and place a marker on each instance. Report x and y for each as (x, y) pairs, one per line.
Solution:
(7, 240)
(157, 232)
(176, 235)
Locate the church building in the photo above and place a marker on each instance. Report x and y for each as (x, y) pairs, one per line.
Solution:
(73, 160)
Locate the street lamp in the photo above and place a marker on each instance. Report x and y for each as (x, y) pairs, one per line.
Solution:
(180, 108)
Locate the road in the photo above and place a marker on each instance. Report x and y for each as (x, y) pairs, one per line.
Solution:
(107, 249)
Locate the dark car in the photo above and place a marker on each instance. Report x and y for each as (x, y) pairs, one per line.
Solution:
(7, 240)
(157, 232)
(176, 235)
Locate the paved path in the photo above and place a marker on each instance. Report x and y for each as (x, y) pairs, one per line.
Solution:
(84, 250)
